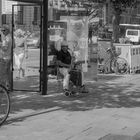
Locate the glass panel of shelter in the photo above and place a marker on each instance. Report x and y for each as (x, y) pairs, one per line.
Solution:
(26, 53)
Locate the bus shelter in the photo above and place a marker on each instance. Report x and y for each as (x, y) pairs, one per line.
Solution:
(42, 24)
(77, 35)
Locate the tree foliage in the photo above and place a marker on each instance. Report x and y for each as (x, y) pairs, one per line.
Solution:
(121, 5)
(118, 7)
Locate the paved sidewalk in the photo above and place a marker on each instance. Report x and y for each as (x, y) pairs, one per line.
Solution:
(111, 111)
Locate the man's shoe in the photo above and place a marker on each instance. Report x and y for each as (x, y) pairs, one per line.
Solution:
(67, 92)
(83, 89)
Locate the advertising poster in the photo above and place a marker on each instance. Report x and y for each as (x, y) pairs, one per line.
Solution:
(57, 33)
(77, 37)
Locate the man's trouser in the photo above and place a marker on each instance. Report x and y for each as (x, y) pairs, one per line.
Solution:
(65, 73)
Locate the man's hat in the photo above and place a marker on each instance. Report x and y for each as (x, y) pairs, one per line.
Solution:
(64, 43)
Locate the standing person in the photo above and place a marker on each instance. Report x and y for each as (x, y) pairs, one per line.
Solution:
(6, 48)
(20, 52)
(64, 63)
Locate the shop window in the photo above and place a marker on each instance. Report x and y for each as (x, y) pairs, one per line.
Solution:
(122, 19)
(134, 20)
(128, 19)
(134, 11)
(4, 19)
(133, 51)
(138, 10)
(20, 15)
(36, 20)
(137, 51)
(128, 10)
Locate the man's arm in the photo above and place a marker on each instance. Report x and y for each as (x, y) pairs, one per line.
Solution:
(59, 63)
(59, 60)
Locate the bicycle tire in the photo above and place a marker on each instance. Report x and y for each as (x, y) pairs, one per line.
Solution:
(119, 65)
(4, 104)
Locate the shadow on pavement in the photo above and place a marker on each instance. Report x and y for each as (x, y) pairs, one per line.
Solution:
(121, 137)
(28, 83)
(105, 93)
(117, 137)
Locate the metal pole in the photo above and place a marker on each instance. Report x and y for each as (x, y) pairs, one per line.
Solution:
(40, 70)
(11, 87)
(45, 44)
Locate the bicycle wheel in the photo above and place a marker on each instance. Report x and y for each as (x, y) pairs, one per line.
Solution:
(119, 65)
(4, 104)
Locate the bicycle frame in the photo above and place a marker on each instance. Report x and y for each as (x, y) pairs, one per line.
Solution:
(112, 65)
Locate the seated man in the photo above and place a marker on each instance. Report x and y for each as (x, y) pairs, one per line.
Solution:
(64, 63)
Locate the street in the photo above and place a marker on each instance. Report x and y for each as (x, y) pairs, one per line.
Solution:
(112, 106)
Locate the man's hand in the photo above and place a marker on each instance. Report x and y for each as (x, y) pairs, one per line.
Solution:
(63, 64)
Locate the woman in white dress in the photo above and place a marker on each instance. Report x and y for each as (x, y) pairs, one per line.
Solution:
(20, 52)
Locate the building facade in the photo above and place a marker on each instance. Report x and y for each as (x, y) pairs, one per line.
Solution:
(6, 11)
(131, 16)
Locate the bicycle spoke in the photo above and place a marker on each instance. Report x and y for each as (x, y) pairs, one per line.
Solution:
(4, 104)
